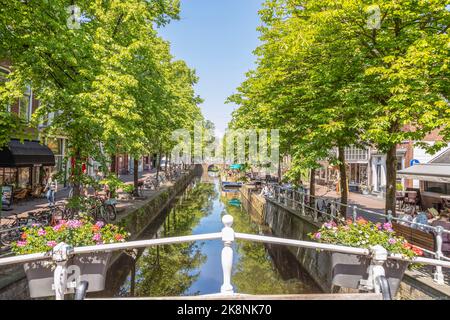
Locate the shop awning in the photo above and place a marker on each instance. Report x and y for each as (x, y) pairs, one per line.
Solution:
(26, 154)
(435, 172)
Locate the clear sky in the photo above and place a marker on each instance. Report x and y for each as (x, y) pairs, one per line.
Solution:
(216, 38)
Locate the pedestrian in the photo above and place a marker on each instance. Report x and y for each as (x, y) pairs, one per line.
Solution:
(51, 188)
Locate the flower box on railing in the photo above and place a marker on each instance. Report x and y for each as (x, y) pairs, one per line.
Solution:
(347, 270)
(90, 267)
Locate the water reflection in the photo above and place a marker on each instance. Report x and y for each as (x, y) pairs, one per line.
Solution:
(195, 268)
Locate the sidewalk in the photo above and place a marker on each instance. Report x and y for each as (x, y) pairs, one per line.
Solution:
(22, 208)
(368, 202)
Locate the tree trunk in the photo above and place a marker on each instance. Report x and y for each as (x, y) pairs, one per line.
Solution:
(113, 164)
(158, 157)
(76, 174)
(136, 176)
(343, 180)
(165, 165)
(391, 178)
(312, 183)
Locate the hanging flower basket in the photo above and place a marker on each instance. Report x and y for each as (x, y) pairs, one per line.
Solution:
(91, 267)
(347, 270)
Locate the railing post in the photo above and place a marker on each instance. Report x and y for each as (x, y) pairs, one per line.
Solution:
(354, 213)
(389, 216)
(315, 211)
(438, 275)
(60, 255)
(294, 200)
(332, 209)
(303, 203)
(379, 257)
(227, 254)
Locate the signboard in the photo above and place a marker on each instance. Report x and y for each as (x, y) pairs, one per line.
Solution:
(413, 162)
(7, 196)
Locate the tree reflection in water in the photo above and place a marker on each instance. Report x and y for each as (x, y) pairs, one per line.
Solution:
(167, 270)
(256, 271)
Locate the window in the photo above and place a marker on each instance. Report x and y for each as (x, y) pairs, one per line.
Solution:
(25, 105)
(8, 176)
(437, 187)
(355, 154)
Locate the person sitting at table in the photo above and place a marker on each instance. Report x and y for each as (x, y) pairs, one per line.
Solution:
(443, 222)
(423, 218)
(405, 218)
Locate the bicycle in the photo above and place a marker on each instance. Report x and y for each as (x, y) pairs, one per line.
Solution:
(12, 232)
(104, 209)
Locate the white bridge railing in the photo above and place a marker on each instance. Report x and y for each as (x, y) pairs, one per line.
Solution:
(62, 252)
(325, 208)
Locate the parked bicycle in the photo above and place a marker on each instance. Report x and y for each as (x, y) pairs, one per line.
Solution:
(103, 209)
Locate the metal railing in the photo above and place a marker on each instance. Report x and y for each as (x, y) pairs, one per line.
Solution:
(307, 205)
(62, 252)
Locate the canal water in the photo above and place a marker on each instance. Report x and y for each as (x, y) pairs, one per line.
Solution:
(195, 268)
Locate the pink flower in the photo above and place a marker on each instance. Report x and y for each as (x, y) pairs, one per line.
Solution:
(100, 224)
(41, 232)
(51, 243)
(387, 226)
(21, 243)
(57, 227)
(73, 224)
(97, 237)
(317, 235)
(392, 241)
(379, 227)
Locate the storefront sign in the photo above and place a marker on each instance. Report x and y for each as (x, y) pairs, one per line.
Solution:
(7, 196)
(413, 162)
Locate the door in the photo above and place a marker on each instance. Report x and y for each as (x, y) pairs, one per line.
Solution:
(378, 177)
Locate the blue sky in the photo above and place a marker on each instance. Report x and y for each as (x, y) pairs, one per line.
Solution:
(216, 38)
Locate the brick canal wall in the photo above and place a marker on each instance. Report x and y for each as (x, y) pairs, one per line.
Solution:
(13, 282)
(287, 223)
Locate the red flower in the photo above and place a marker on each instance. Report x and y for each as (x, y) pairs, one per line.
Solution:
(417, 251)
(95, 228)
(24, 236)
(349, 221)
(118, 237)
(407, 245)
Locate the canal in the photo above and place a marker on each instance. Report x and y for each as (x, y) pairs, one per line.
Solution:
(195, 268)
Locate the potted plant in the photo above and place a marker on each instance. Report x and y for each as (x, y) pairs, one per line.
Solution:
(348, 269)
(89, 267)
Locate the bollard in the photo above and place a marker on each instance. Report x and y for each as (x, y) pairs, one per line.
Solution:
(60, 255)
(227, 254)
(438, 275)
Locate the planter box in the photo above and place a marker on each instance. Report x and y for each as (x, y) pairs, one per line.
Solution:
(89, 267)
(349, 269)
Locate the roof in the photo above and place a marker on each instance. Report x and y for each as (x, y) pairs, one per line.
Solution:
(26, 154)
(437, 172)
(442, 158)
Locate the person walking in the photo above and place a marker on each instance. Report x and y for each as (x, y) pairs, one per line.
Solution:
(51, 187)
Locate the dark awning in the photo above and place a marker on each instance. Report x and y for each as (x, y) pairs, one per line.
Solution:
(26, 154)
